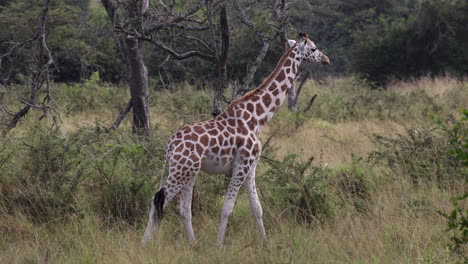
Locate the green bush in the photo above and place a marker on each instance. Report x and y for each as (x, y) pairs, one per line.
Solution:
(457, 132)
(355, 183)
(43, 176)
(421, 153)
(47, 176)
(310, 193)
(306, 191)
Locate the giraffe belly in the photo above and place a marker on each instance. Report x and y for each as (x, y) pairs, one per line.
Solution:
(213, 165)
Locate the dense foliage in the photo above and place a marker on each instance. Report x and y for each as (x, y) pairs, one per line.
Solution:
(378, 40)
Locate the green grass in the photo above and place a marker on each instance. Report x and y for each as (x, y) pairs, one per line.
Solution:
(79, 195)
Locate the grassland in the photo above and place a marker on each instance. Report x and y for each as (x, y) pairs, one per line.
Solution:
(77, 194)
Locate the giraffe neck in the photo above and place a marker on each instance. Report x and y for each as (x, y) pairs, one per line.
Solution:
(262, 103)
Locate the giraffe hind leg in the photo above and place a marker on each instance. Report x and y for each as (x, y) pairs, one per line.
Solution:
(185, 209)
(156, 214)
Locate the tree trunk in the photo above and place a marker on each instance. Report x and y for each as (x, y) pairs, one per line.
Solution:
(138, 82)
(221, 64)
(293, 95)
(132, 50)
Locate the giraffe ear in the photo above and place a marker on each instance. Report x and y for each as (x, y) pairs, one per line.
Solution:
(291, 42)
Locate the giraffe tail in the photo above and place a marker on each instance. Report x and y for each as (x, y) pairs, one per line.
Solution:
(157, 204)
(159, 197)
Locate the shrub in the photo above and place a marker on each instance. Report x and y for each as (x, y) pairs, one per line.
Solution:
(48, 176)
(47, 171)
(355, 183)
(303, 189)
(458, 148)
(421, 153)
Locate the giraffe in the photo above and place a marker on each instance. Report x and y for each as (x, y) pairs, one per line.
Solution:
(228, 143)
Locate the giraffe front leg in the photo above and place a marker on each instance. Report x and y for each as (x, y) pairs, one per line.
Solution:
(237, 179)
(185, 209)
(254, 201)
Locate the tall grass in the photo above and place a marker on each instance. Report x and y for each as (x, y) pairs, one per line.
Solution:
(357, 179)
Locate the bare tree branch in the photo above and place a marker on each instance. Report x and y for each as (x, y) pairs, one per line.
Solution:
(309, 104)
(182, 56)
(39, 74)
(121, 116)
(173, 20)
(280, 17)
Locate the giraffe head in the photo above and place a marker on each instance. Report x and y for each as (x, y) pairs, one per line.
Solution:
(308, 50)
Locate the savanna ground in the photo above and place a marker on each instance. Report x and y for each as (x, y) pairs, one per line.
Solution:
(359, 178)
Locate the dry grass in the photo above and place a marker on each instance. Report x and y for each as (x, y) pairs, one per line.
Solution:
(333, 144)
(402, 227)
(401, 224)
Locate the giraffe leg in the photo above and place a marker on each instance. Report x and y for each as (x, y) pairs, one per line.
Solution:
(152, 223)
(185, 209)
(254, 201)
(174, 184)
(237, 179)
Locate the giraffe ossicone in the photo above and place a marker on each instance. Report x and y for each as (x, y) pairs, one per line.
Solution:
(228, 142)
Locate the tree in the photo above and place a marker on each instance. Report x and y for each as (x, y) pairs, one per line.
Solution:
(280, 16)
(38, 73)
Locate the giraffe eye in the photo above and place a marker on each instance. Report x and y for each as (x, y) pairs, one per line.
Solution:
(313, 49)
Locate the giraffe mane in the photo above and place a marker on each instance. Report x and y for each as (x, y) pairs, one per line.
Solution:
(267, 81)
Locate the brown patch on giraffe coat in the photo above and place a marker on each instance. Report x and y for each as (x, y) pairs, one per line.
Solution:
(186, 129)
(232, 122)
(256, 149)
(275, 92)
(179, 148)
(287, 62)
(252, 124)
(260, 110)
(188, 145)
(204, 139)
(240, 141)
(213, 141)
(213, 132)
(281, 76)
(284, 87)
(250, 107)
(266, 100)
(186, 152)
(199, 149)
(198, 129)
(272, 86)
(246, 115)
(215, 150)
(244, 153)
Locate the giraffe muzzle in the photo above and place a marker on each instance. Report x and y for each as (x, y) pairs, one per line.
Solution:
(325, 59)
